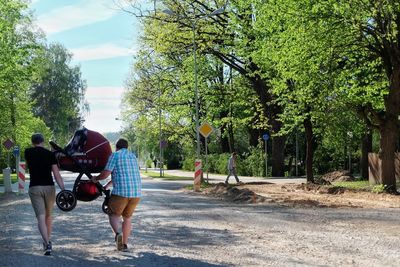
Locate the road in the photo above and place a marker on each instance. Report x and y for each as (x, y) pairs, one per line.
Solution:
(217, 178)
(173, 227)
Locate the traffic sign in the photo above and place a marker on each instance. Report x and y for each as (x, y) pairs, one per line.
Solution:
(266, 136)
(16, 151)
(8, 144)
(163, 144)
(205, 129)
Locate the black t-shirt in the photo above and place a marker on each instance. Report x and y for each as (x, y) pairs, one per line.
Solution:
(40, 161)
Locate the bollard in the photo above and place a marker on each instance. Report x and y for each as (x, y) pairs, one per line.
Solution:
(197, 175)
(7, 180)
(21, 177)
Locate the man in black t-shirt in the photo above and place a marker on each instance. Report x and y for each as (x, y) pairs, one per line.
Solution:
(41, 163)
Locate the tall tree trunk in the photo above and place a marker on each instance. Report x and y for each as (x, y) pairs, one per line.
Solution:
(309, 149)
(366, 147)
(231, 137)
(224, 142)
(278, 149)
(271, 111)
(389, 128)
(389, 135)
(254, 136)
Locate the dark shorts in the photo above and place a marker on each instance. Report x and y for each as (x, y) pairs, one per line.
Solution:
(42, 199)
(122, 206)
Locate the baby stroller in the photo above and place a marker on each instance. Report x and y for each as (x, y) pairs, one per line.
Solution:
(87, 152)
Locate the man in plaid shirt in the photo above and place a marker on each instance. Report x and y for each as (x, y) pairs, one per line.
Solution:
(126, 193)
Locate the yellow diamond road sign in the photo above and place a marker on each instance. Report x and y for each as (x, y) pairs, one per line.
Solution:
(205, 129)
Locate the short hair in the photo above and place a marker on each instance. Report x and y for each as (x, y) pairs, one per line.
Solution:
(37, 138)
(234, 154)
(121, 143)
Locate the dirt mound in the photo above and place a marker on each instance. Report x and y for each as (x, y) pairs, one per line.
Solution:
(321, 189)
(235, 194)
(338, 176)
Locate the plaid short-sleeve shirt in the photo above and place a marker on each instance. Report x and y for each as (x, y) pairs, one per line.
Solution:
(125, 174)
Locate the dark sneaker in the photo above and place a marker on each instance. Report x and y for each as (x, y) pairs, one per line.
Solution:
(45, 245)
(118, 241)
(125, 248)
(48, 249)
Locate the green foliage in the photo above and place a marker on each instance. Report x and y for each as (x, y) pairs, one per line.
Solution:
(188, 163)
(59, 94)
(379, 189)
(293, 61)
(252, 163)
(20, 52)
(358, 185)
(14, 178)
(217, 163)
(149, 163)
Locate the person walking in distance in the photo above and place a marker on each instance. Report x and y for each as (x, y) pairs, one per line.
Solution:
(41, 164)
(126, 193)
(232, 168)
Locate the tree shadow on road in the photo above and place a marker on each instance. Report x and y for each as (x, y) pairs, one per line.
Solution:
(148, 259)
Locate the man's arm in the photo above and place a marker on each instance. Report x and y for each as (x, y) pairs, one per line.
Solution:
(103, 175)
(57, 176)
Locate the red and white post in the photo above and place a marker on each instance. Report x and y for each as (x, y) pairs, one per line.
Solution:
(197, 175)
(21, 177)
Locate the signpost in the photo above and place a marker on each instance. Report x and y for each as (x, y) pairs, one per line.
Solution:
(16, 153)
(206, 129)
(163, 144)
(266, 137)
(8, 144)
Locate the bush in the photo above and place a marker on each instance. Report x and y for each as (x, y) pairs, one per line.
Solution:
(149, 163)
(222, 163)
(188, 163)
(252, 164)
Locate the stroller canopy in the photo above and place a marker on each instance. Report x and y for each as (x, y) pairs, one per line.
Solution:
(86, 151)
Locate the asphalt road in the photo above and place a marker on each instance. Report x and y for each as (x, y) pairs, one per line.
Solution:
(177, 228)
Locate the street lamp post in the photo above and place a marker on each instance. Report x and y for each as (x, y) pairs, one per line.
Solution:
(196, 93)
(160, 132)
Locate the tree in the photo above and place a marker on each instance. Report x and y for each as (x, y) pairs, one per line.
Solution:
(225, 37)
(59, 94)
(20, 49)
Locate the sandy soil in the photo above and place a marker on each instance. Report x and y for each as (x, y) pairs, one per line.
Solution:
(304, 195)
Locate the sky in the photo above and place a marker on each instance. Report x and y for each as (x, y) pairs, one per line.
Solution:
(103, 41)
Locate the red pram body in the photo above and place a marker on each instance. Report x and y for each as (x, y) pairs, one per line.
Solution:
(87, 152)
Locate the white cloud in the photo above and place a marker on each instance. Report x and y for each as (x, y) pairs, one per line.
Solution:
(104, 108)
(104, 92)
(102, 51)
(73, 16)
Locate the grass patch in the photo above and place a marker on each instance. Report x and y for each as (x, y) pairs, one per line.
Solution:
(362, 186)
(14, 178)
(166, 177)
(357, 185)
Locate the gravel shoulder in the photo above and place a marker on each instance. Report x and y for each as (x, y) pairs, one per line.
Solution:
(174, 227)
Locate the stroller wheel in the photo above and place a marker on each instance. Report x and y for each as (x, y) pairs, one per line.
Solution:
(104, 207)
(66, 200)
